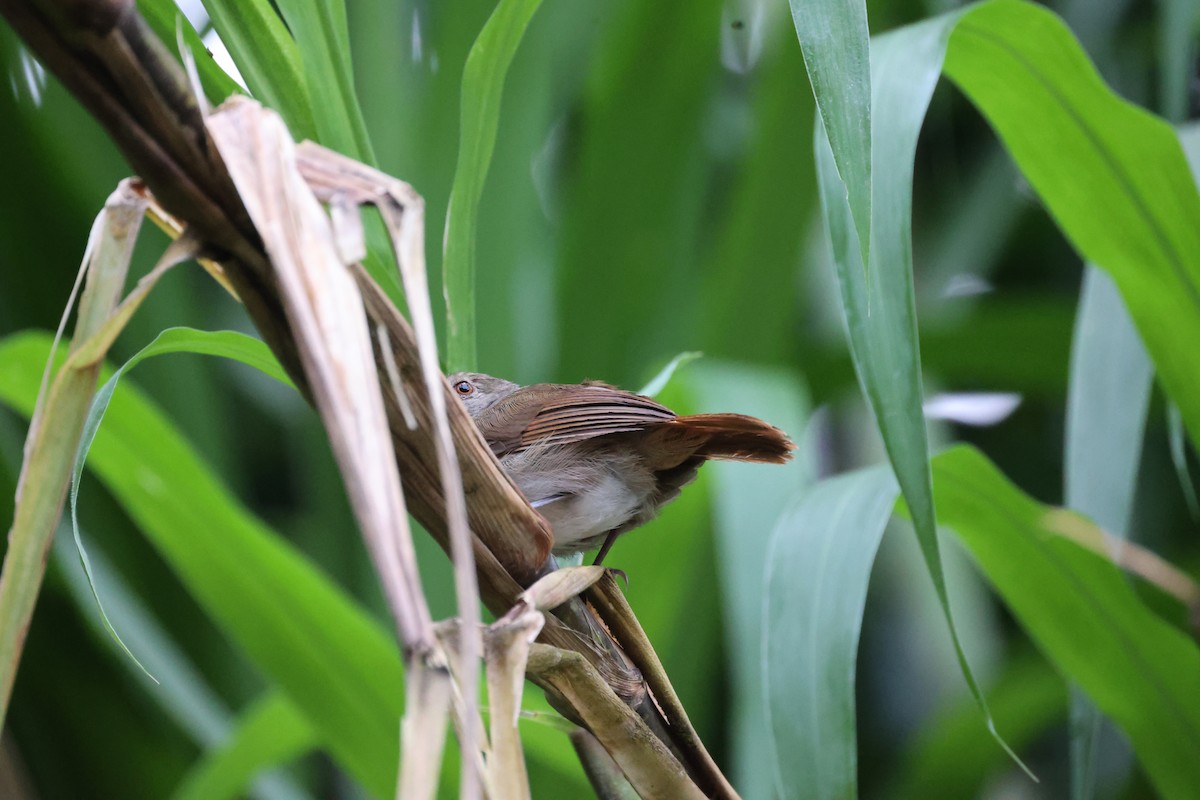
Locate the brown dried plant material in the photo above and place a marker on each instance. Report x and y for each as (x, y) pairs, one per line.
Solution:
(561, 585)
(346, 184)
(334, 340)
(326, 317)
(506, 645)
(642, 756)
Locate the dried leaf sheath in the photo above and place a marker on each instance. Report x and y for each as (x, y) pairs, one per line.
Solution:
(326, 316)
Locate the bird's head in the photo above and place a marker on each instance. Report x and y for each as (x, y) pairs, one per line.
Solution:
(479, 392)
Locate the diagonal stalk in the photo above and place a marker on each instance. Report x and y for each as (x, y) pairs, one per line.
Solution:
(55, 430)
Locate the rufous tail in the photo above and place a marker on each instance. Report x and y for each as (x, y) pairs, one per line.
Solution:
(737, 437)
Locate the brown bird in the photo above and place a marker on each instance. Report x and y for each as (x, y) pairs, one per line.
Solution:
(597, 461)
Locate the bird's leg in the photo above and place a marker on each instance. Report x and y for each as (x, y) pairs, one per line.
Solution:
(604, 548)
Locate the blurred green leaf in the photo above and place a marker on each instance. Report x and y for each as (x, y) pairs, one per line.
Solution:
(1176, 50)
(1109, 395)
(320, 31)
(1082, 613)
(770, 209)
(267, 57)
(482, 89)
(748, 500)
(1112, 175)
(166, 20)
(272, 731)
(183, 692)
(1177, 441)
(636, 188)
(953, 756)
(1076, 606)
(836, 45)
(818, 564)
(660, 381)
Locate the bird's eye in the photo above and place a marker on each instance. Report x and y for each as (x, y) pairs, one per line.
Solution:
(464, 388)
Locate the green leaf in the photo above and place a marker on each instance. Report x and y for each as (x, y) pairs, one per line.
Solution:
(267, 57)
(818, 564)
(227, 344)
(748, 500)
(1109, 394)
(660, 381)
(173, 340)
(183, 694)
(1082, 613)
(320, 31)
(836, 45)
(165, 19)
(880, 313)
(1075, 605)
(1176, 49)
(269, 733)
(482, 89)
(1112, 175)
(1108, 397)
(953, 756)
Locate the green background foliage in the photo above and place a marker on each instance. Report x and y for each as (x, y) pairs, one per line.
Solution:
(652, 189)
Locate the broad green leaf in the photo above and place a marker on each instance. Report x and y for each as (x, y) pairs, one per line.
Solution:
(1112, 175)
(818, 564)
(880, 311)
(269, 733)
(748, 500)
(482, 89)
(267, 57)
(1076, 606)
(322, 39)
(1108, 397)
(165, 20)
(836, 45)
(1082, 613)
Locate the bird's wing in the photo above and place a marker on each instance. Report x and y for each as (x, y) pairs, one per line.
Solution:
(558, 414)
